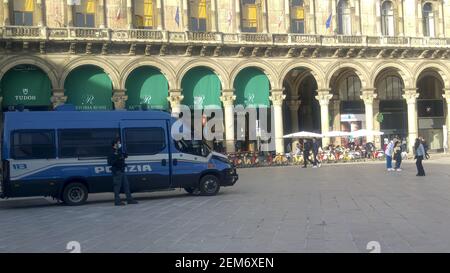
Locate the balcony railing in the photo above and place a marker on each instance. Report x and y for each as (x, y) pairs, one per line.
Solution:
(22, 32)
(259, 39)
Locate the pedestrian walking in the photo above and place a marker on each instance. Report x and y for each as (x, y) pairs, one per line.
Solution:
(389, 153)
(120, 181)
(315, 151)
(425, 147)
(419, 152)
(398, 155)
(306, 152)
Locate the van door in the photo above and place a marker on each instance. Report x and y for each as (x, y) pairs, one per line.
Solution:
(146, 144)
(189, 161)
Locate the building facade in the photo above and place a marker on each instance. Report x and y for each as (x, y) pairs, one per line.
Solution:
(322, 65)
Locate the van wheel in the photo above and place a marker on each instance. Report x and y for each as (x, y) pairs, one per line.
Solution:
(75, 194)
(209, 185)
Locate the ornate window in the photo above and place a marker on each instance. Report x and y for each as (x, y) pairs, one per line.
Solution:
(23, 12)
(390, 88)
(344, 18)
(250, 14)
(297, 16)
(387, 19)
(145, 15)
(350, 89)
(428, 20)
(85, 13)
(198, 15)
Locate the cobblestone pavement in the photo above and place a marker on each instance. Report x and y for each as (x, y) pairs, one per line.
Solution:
(337, 208)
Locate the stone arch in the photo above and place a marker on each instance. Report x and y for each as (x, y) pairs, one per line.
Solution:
(315, 71)
(402, 70)
(109, 68)
(359, 70)
(213, 65)
(130, 66)
(435, 67)
(267, 68)
(45, 66)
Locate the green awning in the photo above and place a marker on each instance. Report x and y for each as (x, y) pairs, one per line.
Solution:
(27, 85)
(89, 88)
(201, 89)
(252, 88)
(147, 86)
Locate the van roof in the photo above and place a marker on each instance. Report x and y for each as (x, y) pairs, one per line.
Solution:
(55, 119)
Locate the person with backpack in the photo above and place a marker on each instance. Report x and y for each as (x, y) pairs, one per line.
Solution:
(120, 181)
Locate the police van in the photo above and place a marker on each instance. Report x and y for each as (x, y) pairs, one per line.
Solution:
(63, 154)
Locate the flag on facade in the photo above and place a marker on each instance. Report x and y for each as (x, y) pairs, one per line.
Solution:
(280, 20)
(328, 23)
(119, 11)
(229, 18)
(177, 16)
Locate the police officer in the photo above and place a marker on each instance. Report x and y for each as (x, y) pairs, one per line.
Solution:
(117, 162)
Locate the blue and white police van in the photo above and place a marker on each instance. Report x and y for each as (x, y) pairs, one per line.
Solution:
(63, 154)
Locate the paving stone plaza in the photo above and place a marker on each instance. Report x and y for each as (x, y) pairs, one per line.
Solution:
(336, 208)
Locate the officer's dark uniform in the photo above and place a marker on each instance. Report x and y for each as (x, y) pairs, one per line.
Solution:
(306, 150)
(117, 162)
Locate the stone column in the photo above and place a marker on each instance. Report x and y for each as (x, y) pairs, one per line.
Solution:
(58, 97)
(130, 4)
(159, 12)
(336, 114)
(324, 96)
(237, 16)
(376, 124)
(40, 11)
(101, 14)
(228, 99)
(447, 98)
(265, 24)
(213, 16)
(287, 16)
(184, 16)
(378, 16)
(411, 96)
(70, 13)
(119, 98)
(6, 20)
(175, 98)
(368, 95)
(294, 106)
(358, 18)
(277, 98)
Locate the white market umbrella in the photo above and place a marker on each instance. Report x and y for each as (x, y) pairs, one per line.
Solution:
(336, 134)
(364, 132)
(303, 134)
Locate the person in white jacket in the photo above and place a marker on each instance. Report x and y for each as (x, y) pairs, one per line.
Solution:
(389, 153)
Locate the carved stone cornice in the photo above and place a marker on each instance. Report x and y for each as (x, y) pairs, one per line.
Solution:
(175, 97)
(410, 95)
(324, 96)
(368, 96)
(277, 97)
(228, 97)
